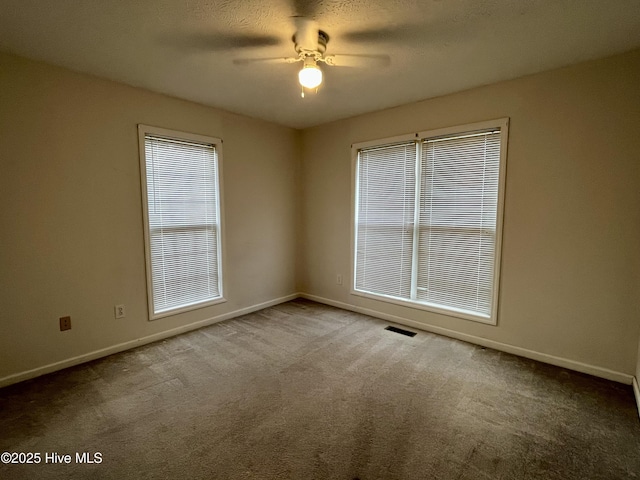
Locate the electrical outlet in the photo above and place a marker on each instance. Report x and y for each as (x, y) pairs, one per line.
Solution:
(65, 323)
(339, 279)
(119, 311)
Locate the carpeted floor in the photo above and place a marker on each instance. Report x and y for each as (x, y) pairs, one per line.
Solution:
(306, 391)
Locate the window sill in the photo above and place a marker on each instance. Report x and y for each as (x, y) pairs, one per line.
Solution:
(465, 315)
(186, 308)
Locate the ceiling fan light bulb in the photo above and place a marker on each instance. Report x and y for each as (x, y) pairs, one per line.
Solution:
(310, 76)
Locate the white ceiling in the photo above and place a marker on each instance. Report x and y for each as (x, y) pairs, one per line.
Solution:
(186, 48)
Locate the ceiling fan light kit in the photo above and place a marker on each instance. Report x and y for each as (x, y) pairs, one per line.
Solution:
(310, 76)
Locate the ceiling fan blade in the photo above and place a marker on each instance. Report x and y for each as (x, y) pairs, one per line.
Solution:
(404, 34)
(357, 60)
(273, 60)
(221, 41)
(385, 34)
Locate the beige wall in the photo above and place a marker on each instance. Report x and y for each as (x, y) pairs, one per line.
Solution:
(638, 365)
(571, 252)
(71, 216)
(71, 237)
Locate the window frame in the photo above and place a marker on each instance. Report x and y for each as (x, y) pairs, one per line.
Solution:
(143, 131)
(420, 137)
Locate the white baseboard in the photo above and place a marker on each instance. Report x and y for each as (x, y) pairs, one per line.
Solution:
(503, 347)
(523, 352)
(69, 362)
(636, 393)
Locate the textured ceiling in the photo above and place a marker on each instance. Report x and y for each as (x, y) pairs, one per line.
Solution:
(186, 48)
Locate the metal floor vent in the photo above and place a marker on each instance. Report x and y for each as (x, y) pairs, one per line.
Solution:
(401, 331)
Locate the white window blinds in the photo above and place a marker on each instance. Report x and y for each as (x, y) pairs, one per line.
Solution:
(426, 222)
(182, 204)
(386, 199)
(458, 205)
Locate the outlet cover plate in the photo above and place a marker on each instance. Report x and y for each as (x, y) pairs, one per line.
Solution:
(65, 323)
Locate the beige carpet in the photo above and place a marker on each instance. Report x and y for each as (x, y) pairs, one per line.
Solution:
(306, 391)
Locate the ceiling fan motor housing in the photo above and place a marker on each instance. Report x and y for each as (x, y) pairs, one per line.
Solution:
(305, 47)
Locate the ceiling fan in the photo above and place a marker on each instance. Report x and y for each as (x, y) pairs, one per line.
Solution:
(310, 44)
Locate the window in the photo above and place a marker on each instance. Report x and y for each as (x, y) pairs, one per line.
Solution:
(181, 199)
(428, 219)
